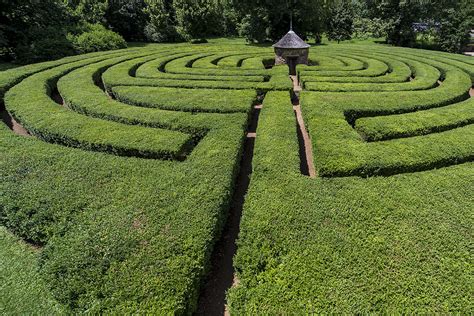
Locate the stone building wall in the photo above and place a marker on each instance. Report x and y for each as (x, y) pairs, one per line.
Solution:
(282, 54)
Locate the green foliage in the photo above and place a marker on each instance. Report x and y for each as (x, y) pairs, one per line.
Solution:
(366, 28)
(83, 204)
(340, 23)
(91, 11)
(96, 38)
(43, 44)
(33, 30)
(254, 26)
(125, 235)
(454, 32)
(341, 244)
(400, 16)
(43, 30)
(202, 100)
(197, 19)
(161, 26)
(22, 288)
(128, 18)
(270, 20)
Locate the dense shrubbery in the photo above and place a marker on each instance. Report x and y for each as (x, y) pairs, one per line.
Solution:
(94, 38)
(366, 28)
(348, 245)
(33, 31)
(168, 239)
(453, 35)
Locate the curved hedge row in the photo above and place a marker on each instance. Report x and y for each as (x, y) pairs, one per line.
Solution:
(30, 103)
(131, 235)
(436, 132)
(89, 200)
(372, 235)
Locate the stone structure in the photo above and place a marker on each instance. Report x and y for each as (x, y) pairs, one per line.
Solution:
(291, 50)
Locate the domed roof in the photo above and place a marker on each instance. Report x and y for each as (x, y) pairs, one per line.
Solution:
(291, 40)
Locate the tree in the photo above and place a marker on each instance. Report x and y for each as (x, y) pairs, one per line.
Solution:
(92, 11)
(34, 30)
(197, 19)
(272, 17)
(254, 26)
(127, 18)
(340, 23)
(455, 26)
(161, 26)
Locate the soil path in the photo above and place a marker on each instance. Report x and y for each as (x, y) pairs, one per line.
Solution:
(306, 147)
(221, 277)
(13, 125)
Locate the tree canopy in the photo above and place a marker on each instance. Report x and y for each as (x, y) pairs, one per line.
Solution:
(35, 29)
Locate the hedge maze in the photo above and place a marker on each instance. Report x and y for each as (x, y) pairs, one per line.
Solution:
(126, 178)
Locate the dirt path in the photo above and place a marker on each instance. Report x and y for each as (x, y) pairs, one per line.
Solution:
(306, 147)
(221, 277)
(13, 125)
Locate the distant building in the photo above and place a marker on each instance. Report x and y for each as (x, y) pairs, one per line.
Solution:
(291, 50)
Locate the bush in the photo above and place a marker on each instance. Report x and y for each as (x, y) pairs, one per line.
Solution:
(96, 38)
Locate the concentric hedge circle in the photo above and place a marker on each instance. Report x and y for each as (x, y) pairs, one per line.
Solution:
(131, 170)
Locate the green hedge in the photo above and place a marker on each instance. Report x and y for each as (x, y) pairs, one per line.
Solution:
(124, 235)
(254, 62)
(374, 68)
(184, 66)
(425, 77)
(109, 222)
(365, 245)
(30, 104)
(341, 151)
(191, 100)
(334, 62)
(120, 76)
(417, 123)
(399, 72)
(155, 69)
(92, 101)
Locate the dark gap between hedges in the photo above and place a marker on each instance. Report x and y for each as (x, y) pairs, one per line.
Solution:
(56, 96)
(301, 150)
(12, 124)
(212, 300)
(304, 164)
